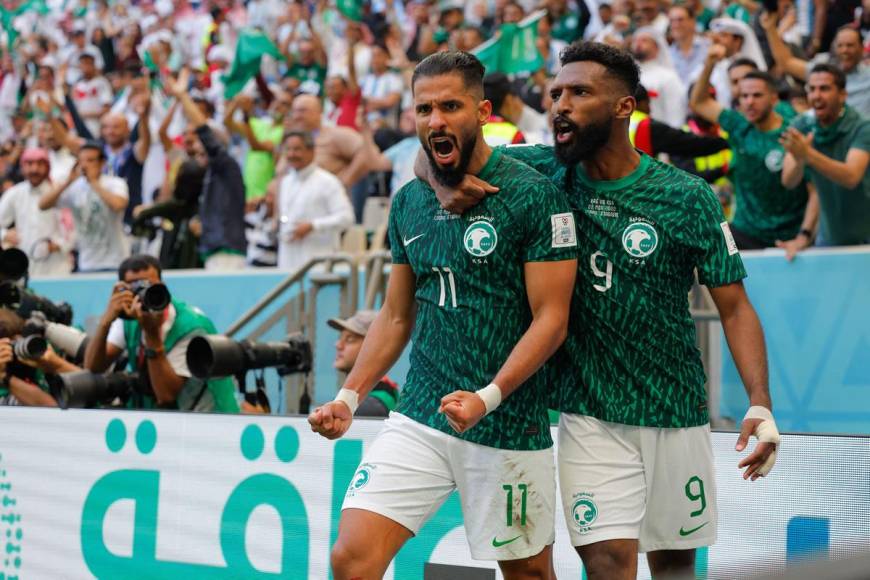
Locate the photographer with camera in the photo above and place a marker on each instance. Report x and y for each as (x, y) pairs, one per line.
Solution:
(155, 329)
(24, 362)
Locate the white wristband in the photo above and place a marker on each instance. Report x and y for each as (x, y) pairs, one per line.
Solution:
(765, 432)
(349, 398)
(491, 396)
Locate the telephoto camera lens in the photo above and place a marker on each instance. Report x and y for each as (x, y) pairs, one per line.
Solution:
(219, 356)
(29, 347)
(154, 297)
(84, 389)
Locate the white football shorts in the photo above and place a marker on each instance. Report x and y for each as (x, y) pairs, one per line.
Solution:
(508, 497)
(625, 482)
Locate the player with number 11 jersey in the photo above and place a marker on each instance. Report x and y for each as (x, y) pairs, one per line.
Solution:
(487, 296)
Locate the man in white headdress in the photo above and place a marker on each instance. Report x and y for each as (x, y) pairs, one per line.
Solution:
(739, 42)
(668, 98)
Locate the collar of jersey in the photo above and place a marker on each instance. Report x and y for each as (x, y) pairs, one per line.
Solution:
(488, 170)
(621, 183)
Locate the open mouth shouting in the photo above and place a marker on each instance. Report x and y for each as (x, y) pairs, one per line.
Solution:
(563, 130)
(444, 150)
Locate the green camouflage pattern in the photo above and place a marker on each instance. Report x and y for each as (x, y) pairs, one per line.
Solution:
(630, 356)
(472, 306)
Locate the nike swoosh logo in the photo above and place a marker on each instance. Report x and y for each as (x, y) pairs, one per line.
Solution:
(497, 544)
(693, 530)
(407, 241)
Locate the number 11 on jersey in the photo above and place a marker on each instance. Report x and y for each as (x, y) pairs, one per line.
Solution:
(451, 284)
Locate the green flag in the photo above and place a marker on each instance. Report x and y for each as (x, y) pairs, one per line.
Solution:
(515, 49)
(352, 9)
(251, 47)
(488, 54)
(8, 16)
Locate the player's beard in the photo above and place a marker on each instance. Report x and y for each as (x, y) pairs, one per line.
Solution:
(586, 141)
(452, 176)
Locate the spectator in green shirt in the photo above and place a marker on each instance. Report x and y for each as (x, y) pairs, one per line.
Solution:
(831, 147)
(264, 135)
(767, 212)
(307, 67)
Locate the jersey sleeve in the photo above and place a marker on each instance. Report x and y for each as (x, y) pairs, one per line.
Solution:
(539, 157)
(551, 234)
(862, 137)
(719, 259)
(733, 122)
(397, 245)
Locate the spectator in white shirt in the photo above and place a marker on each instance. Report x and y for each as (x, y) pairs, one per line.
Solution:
(60, 160)
(381, 91)
(669, 101)
(39, 234)
(71, 53)
(92, 93)
(313, 207)
(97, 202)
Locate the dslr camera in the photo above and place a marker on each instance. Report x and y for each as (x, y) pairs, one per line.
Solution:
(72, 342)
(154, 297)
(14, 296)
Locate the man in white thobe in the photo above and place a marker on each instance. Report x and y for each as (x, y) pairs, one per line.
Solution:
(313, 207)
(39, 234)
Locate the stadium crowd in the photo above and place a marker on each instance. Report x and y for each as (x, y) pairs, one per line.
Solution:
(253, 133)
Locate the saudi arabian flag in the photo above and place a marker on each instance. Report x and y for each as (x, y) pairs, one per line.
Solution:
(352, 9)
(514, 50)
(250, 49)
(488, 54)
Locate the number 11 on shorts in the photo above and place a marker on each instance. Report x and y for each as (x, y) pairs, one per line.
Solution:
(509, 511)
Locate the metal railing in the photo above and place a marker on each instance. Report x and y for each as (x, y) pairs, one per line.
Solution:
(299, 311)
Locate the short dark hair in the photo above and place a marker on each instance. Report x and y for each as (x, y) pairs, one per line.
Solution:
(496, 88)
(95, 146)
(834, 71)
(209, 106)
(641, 94)
(743, 61)
(762, 76)
(619, 63)
(139, 263)
(851, 27)
(306, 136)
(689, 10)
(458, 62)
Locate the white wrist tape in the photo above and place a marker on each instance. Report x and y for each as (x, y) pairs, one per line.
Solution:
(765, 432)
(491, 395)
(349, 398)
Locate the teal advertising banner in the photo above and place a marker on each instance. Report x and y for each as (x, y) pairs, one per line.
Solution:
(177, 496)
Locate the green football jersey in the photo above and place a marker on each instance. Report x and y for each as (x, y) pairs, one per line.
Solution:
(472, 306)
(630, 356)
(765, 210)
